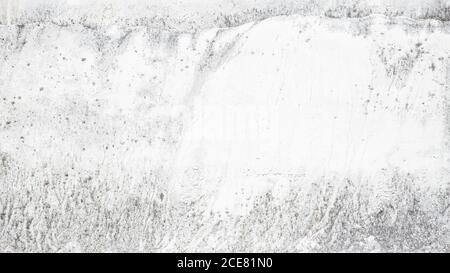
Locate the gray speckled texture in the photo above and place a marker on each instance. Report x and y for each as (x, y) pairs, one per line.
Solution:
(284, 130)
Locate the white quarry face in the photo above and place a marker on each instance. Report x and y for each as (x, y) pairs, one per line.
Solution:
(202, 128)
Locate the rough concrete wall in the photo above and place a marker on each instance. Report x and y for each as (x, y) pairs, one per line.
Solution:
(294, 133)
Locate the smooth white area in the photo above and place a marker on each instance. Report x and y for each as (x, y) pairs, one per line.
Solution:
(321, 106)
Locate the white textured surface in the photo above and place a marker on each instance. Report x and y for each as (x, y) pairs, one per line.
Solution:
(293, 133)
